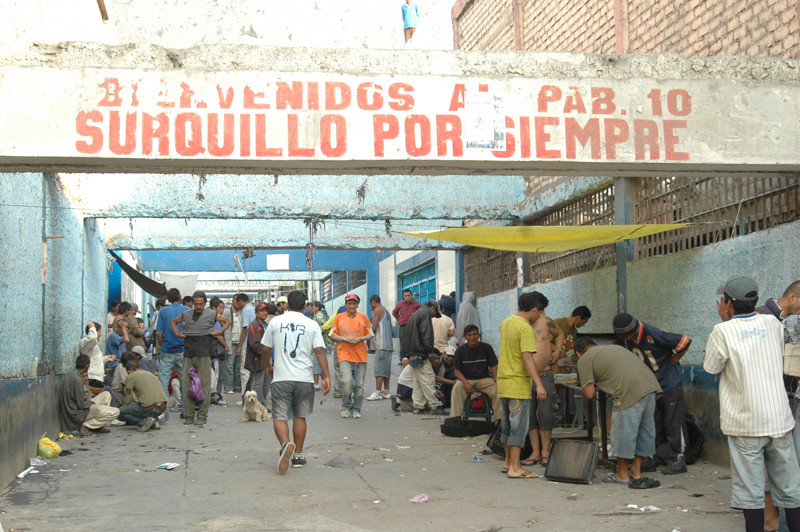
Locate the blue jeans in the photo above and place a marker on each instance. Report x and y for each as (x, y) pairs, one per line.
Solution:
(166, 363)
(353, 374)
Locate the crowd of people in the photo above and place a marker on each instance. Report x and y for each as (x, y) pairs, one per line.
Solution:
(279, 351)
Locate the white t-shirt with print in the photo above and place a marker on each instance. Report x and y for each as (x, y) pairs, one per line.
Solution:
(293, 338)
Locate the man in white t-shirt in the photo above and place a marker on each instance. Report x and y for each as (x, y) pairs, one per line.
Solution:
(746, 350)
(290, 341)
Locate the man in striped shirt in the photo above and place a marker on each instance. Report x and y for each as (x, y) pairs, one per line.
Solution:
(747, 352)
(661, 352)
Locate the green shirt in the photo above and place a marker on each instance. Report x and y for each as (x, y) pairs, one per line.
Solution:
(618, 372)
(516, 337)
(146, 387)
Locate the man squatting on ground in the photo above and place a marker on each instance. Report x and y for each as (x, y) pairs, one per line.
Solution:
(633, 389)
(144, 398)
(292, 339)
(516, 370)
(77, 409)
(746, 351)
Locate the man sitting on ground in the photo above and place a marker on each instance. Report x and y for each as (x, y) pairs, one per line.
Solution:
(633, 388)
(476, 370)
(76, 409)
(405, 389)
(144, 398)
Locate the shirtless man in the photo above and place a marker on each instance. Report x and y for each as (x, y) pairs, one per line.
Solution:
(543, 414)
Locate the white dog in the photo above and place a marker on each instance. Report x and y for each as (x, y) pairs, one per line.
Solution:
(252, 410)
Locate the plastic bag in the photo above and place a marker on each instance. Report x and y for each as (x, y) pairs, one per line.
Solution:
(195, 391)
(48, 448)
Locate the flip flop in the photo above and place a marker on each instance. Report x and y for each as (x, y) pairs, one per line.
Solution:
(612, 479)
(529, 462)
(545, 460)
(504, 470)
(644, 483)
(525, 475)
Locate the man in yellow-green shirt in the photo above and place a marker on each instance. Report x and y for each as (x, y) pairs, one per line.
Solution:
(515, 371)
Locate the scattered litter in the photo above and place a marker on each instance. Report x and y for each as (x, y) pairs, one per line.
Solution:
(572, 497)
(678, 486)
(304, 495)
(724, 477)
(27, 472)
(38, 462)
(696, 495)
(65, 470)
(382, 449)
(485, 452)
(531, 523)
(62, 436)
(419, 498)
(403, 446)
(676, 530)
(344, 438)
(376, 502)
(136, 471)
(684, 510)
(479, 459)
(388, 459)
(650, 508)
(635, 507)
(424, 468)
(169, 466)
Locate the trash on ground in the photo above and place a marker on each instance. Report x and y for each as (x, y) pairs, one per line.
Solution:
(419, 498)
(678, 486)
(479, 459)
(696, 495)
(650, 508)
(684, 510)
(168, 466)
(572, 497)
(403, 446)
(47, 447)
(376, 502)
(635, 507)
(62, 436)
(27, 471)
(38, 462)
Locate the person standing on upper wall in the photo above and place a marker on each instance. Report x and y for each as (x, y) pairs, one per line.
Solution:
(410, 18)
(467, 315)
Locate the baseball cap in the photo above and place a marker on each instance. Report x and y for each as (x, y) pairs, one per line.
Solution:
(449, 350)
(261, 306)
(135, 307)
(352, 297)
(740, 288)
(318, 304)
(282, 299)
(139, 350)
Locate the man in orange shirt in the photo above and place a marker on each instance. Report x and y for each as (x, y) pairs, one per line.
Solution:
(350, 331)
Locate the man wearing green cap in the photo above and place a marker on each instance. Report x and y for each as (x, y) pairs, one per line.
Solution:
(746, 350)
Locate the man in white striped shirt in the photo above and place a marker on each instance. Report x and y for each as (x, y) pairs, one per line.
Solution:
(747, 352)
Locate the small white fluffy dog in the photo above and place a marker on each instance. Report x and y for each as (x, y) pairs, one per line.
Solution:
(252, 410)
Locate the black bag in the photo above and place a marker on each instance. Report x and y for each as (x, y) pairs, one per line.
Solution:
(496, 446)
(464, 426)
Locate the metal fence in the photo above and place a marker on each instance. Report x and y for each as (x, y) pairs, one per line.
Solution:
(726, 206)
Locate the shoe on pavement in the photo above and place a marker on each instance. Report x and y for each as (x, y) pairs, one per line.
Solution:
(220, 401)
(376, 396)
(385, 394)
(287, 449)
(117, 423)
(156, 425)
(337, 395)
(85, 431)
(199, 421)
(677, 467)
(439, 412)
(298, 460)
(416, 411)
(229, 391)
(188, 421)
(103, 430)
(395, 403)
(356, 414)
(345, 413)
(648, 465)
(147, 425)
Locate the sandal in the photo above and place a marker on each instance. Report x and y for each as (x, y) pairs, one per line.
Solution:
(544, 460)
(612, 479)
(525, 475)
(529, 462)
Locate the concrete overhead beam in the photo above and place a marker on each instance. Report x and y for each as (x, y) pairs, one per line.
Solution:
(377, 197)
(242, 109)
(256, 276)
(146, 234)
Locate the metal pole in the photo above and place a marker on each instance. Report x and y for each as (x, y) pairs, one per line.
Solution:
(623, 215)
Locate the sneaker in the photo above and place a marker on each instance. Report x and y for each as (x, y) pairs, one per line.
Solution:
(298, 460)
(156, 426)
(199, 421)
(188, 421)
(117, 423)
(416, 411)
(439, 411)
(677, 467)
(376, 396)
(356, 414)
(317, 388)
(103, 430)
(337, 395)
(345, 413)
(220, 401)
(395, 403)
(385, 395)
(648, 465)
(147, 425)
(85, 431)
(286, 457)
(229, 391)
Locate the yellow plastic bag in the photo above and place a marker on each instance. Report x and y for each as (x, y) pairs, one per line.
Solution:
(48, 448)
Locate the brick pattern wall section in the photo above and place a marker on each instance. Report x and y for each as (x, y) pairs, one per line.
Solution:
(486, 25)
(726, 27)
(558, 26)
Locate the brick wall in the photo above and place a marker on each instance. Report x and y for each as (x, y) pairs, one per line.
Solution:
(686, 27)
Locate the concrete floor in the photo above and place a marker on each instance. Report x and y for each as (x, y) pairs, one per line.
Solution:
(227, 480)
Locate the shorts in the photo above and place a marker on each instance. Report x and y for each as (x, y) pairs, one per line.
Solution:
(383, 363)
(514, 421)
(749, 457)
(633, 430)
(292, 396)
(317, 367)
(545, 414)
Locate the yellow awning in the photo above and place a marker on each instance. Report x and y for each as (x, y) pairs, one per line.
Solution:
(542, 239)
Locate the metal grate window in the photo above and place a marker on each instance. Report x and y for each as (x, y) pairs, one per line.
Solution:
(488, 271)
